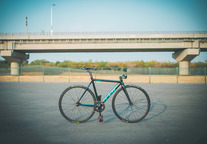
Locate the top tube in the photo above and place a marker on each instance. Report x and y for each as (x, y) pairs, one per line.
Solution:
(103, 80)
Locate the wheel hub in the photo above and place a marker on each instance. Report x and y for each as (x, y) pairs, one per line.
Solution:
(131, 104)
(77, 104)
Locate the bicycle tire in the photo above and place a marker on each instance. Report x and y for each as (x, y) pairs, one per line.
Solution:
(68, 107)
(136, 112)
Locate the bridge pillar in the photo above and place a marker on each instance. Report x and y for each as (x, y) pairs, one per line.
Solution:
(16, 59)
(15, 68)
(184, 57)
(184, 67)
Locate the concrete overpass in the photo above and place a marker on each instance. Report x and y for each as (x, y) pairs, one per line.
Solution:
(186, 45)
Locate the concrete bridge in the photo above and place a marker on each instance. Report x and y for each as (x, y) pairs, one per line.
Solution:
(186, 45)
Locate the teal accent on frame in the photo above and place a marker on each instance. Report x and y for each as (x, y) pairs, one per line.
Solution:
(112, 91)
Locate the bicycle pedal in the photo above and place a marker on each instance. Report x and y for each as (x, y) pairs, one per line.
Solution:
(100, 118)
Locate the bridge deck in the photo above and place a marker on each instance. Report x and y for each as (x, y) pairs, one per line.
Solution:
(103, 41)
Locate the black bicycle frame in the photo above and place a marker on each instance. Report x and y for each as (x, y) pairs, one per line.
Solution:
(119, 83)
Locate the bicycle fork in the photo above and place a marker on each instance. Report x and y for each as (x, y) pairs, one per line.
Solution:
(127, 95)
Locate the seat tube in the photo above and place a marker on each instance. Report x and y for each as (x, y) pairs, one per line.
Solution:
(94, 87)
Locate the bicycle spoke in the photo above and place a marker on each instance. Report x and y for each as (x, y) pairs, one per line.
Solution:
(131, 113)
(69, 107)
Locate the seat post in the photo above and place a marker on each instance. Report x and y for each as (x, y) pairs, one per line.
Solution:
(90, 73)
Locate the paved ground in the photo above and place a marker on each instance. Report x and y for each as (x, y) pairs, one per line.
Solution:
(29, 114)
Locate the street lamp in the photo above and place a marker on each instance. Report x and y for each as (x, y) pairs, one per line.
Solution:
(51, 19)
(26, 25)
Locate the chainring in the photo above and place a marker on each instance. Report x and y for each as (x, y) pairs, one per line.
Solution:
(99, 106)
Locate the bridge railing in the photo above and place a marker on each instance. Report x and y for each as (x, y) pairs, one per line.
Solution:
(103, 33)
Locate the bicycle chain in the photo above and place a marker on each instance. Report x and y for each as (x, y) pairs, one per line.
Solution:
(99, 107)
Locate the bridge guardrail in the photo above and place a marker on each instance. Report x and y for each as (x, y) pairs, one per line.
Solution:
(102, 33)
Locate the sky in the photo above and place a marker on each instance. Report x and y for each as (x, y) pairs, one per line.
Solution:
(101, 16)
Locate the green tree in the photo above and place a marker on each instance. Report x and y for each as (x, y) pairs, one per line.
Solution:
(139, 63)
(112, 64)
(101, 64)
(4, 64)
(40, 62)
(89, 63)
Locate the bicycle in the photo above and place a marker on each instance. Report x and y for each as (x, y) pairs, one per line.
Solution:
(130, 103)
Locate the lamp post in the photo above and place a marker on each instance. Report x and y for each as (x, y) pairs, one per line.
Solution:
(26, 25)
(51, 19)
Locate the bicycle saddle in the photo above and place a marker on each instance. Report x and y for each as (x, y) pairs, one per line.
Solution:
(84, 68)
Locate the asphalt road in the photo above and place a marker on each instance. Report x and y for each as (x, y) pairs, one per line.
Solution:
(29, 114)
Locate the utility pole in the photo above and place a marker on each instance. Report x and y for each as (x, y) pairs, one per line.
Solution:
(51, 19)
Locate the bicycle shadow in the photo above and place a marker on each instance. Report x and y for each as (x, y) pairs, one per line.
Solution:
(157, 108)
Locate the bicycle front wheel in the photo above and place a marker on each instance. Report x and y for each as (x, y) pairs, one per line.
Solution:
(135, 112)
(70, 106)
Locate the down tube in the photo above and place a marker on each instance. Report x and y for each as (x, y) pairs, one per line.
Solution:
(112, 91)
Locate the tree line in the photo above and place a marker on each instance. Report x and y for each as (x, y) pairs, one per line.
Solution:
(90, 63)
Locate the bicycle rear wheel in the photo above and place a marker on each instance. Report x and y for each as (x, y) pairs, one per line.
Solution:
(137, 111)
(71, 109)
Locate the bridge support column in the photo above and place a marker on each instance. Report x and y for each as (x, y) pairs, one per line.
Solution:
(184, 57)
(15, 68)
(16, 59)
(184, 67)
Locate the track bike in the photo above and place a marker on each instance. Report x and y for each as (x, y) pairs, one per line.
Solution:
(130, 103)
